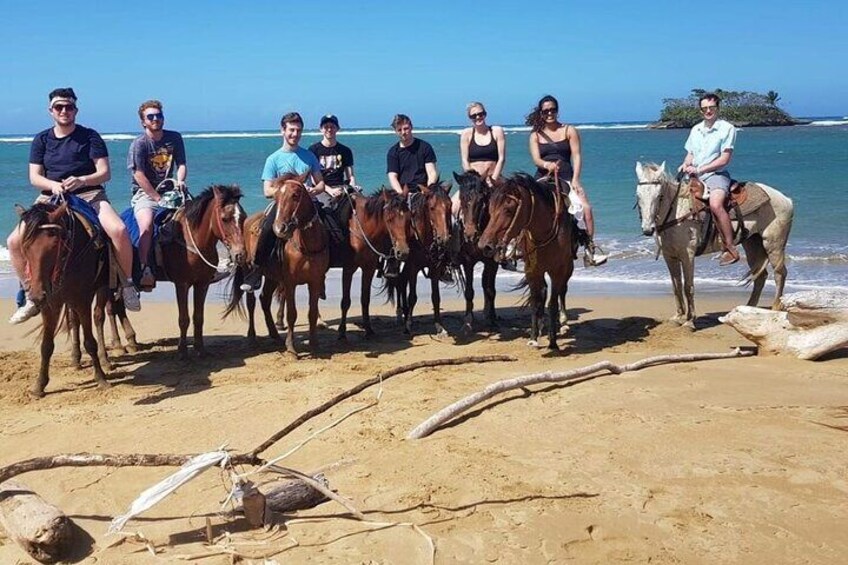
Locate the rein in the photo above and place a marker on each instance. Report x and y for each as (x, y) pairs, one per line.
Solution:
(195, 248)
(365, 237)
(294, 222)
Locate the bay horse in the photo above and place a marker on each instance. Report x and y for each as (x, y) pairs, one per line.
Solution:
(536, 217)
(380, 229)
(665, 207)
(474, 196)
(67, 268)
(432, 225)
(191, 258)
(302, 257)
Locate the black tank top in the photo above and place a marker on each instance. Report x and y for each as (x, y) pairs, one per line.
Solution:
(478, 153)
(557, 151)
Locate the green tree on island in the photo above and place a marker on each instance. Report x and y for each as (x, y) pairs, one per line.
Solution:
(741, 108)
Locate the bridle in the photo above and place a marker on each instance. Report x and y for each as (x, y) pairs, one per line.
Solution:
(293, 223)
(506, 238)
(217, 213)
(667, 221)
(393, 252)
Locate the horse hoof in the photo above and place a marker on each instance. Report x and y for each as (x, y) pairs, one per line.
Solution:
(321, 324)
(443, 333)
(36, 393)
(131, 348)
(103, 385)
(467, 329)
(690, 326)
(533, 343)
(290, 355)
(118, 350)
(675, 321)
(77, 364)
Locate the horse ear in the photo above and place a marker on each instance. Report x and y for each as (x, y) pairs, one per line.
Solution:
(424, 189)
(456, 177)
(19, 209)
(384, 192)
(56, 214)
(662, 168)
(639, 169)
(216, 193)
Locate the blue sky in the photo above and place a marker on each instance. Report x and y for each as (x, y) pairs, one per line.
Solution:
(228, 66)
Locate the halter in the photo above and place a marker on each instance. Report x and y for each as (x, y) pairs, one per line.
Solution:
(361, 234)
(666, 222)
(196, 249)
(293, 223)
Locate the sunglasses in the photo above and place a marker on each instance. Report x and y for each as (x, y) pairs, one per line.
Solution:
(59, 108)
(477, 115)
(154, 117)
(549, 111)
(706, 108)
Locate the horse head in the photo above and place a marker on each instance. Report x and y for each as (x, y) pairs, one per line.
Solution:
(507, 217)
(46, 248)
(397, 219)
(438, 205)
(474, 195)
(652, 179)
(228, 219)
(295, 208)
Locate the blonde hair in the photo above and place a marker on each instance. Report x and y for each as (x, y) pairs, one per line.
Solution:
(474, 105)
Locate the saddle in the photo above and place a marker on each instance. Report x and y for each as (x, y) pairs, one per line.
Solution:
(745, 198)
(164, 232)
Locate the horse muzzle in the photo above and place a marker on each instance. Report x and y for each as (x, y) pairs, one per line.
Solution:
(648, 231)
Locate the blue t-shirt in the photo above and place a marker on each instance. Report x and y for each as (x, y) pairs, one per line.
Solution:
(298, 162)
(69, 156)
(155, 158)
(707, 144)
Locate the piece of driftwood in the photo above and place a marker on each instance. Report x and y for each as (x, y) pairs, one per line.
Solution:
(369, 383)
(427, 427)
(40, 528)
(808, 324)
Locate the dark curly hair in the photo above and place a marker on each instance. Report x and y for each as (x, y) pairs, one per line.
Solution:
(534, 118)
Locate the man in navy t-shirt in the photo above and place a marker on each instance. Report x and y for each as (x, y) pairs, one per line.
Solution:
(69, 158)
(411, 162)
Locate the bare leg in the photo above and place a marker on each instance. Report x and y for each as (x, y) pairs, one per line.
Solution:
(717, 198)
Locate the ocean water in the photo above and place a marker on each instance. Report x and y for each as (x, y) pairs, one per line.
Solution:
(807, 163)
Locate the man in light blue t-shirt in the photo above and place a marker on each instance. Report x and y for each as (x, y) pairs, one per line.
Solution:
(290, 158)
(709, 149)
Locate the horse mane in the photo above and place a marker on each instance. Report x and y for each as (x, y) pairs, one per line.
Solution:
(470, 183)
(374, 203)
(285, 177)
(195, 208)
(527, 182)
(34, 217)
(665, 177)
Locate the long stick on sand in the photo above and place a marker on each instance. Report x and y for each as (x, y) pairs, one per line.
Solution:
(427, 427)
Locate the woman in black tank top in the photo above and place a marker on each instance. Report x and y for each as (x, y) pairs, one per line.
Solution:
(555, 149)
(482, 148)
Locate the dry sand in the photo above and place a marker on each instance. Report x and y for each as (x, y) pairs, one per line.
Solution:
(738, 461)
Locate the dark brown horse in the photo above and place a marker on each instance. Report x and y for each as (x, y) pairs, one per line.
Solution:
(114, 311)
(431, 232)
(474, 196)
(191, 258)
(536, 217)
(302, 257)
(379, 230)
(67, 268)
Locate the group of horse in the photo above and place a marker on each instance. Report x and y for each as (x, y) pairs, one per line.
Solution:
(396, 235)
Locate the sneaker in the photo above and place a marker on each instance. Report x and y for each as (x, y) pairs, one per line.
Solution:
(25, 312)
(728, 258)
(132, 302)
(594, 256)
(148, 280)
(252, 280)
(224, 270)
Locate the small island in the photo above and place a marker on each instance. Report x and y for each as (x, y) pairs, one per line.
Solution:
(742, 109)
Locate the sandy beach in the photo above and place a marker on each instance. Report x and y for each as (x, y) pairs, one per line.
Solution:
(730, 461)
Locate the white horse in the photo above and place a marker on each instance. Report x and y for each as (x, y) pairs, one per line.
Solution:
(665, 209)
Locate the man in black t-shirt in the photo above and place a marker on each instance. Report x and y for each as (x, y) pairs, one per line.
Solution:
(336, 160)
(410, 162)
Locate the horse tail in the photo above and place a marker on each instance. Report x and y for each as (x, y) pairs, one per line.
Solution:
(524, 286)
(234, 303)
(391, 288)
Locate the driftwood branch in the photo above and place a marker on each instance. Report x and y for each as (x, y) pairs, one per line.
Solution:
(808, 324)
(582, 374)
(369, 383)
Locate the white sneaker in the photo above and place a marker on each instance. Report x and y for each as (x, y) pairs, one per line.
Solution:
(224, 270)
(132, 302)
(25, 312)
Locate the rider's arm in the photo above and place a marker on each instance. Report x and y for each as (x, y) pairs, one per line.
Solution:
(393, 169)
(500, 139)
(464, 142)
(182, 173)
(394, 182)
(267, 189)
(144, 184)
(101, 175)
(318, 185)
(576, 155)
(42, 183)
(432, 173)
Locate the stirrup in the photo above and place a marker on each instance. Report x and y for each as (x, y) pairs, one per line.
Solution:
(594, 256)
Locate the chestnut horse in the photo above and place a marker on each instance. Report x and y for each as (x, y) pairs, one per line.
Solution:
(67, 268)
(536, 217)
(191, 258)
(431, 231)
(379, 230)
(474, 196)
(302, 257)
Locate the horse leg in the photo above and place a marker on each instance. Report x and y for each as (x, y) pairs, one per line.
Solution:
(49, 320)
(182, 318)
(490, 271)
(537, 306)
(200, 291)
(266, 300)
(129, 332)
(365, 300)
(91, 347)
(468, 291)
(777, 258)
(291, 318)
(553, 314)
(281, 315)
(436, 299)
(755, 255)
(675, 270)
(100, 301)
(412, 300)
(314, 295)
(74, 326)
(250, 300)
(114, 337)
(689, 291)
(347, 279)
